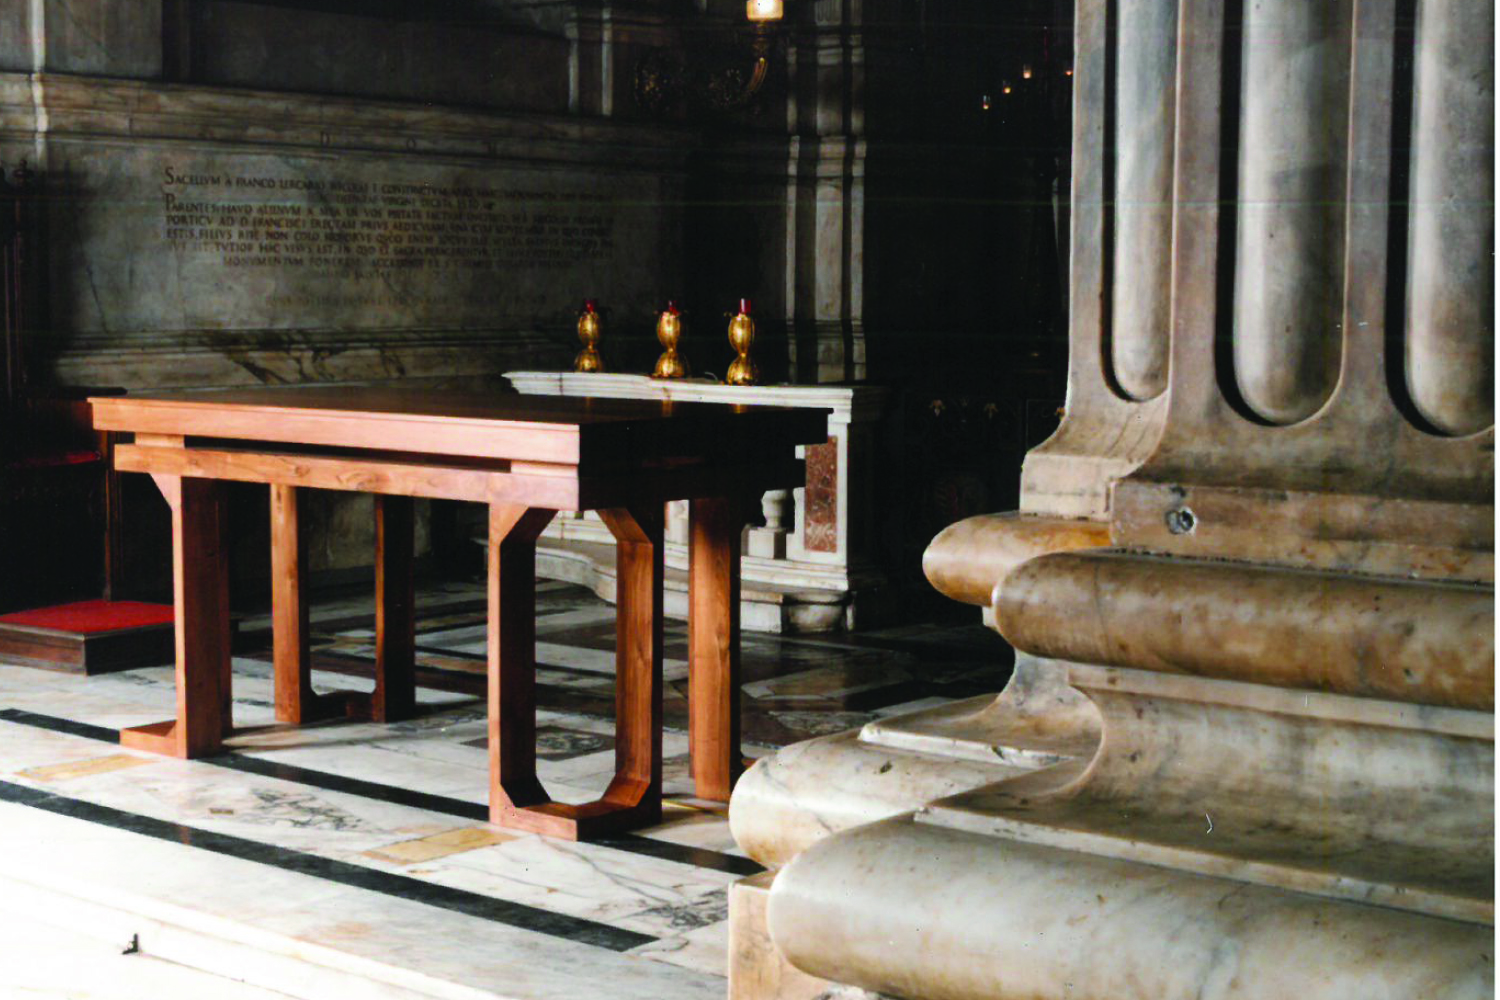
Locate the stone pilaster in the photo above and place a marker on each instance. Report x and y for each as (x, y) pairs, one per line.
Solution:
(826, 197)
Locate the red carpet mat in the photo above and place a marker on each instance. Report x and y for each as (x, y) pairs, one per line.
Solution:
(88, 617)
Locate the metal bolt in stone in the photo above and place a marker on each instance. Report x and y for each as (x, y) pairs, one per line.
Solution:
(1181, 521)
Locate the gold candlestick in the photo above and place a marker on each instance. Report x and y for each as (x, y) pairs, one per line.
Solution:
(742, 370)
(590, 329)
(669, 332)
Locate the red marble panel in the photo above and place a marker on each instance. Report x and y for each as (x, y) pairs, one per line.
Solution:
(821, 500)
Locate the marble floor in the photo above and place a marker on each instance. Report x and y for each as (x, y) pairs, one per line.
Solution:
(353, 859)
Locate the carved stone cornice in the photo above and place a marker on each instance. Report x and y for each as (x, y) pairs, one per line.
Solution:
(60, 106)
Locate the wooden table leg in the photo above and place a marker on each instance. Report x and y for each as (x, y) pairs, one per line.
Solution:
(511, 632)
(296, 701)
(517, 798)
(200, 584)
(289, 632)
(395, 694)
(714, 528)
(636, 787)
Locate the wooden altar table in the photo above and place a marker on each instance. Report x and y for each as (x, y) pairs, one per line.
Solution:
(526, 457)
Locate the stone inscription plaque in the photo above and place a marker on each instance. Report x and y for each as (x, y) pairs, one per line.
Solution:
(368, 225)
(157, 239)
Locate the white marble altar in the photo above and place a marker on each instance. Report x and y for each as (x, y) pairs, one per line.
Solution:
(818, 563)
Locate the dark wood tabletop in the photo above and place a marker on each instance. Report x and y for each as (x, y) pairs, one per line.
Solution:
(579, 431)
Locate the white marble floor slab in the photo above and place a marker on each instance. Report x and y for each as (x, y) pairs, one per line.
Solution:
(285, 904)
(282, 930)
(40, 960)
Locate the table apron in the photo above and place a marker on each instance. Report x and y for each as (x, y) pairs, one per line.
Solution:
(367, 475)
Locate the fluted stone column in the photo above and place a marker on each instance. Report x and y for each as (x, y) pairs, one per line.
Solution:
(1450, 307)
(1147, 49)
(1291, 137)
(1248, 750)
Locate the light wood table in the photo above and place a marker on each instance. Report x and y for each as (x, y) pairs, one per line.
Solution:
(527, 457)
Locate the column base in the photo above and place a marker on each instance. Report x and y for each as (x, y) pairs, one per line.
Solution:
(757, 970)
(919, 910)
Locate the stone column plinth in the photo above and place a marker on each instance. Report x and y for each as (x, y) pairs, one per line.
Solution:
(1248, 748)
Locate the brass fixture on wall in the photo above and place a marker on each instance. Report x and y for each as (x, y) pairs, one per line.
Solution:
(711, 78)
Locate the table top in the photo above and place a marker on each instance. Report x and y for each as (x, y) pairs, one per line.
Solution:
(577, 431)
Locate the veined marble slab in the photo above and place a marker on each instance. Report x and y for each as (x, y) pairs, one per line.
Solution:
(656, 899)
(288, 932)
(40, 959)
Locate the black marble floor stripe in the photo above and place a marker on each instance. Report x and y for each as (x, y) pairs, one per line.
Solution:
(365, 619)
(698, 857)
(471, 904)
(480, 657)
(457, 654)
(434, 678)
(478, 606)
(552, 697)
(59, 725)
(985, 645)
(395, 795)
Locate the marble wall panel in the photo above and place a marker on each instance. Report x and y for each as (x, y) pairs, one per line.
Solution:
(82, 36)
(15, 44)
(264, 239)
(275, 261)
(478, 60)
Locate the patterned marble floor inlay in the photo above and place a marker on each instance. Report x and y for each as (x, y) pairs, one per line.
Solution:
(346, 853)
